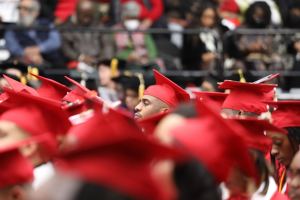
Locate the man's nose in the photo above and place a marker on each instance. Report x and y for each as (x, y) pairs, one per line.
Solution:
(138, 107)
(274, 151)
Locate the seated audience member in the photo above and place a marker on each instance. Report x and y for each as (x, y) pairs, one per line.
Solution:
(135, 47)
(201, 51)
(32, 46)
(85, 46)
(258, 51)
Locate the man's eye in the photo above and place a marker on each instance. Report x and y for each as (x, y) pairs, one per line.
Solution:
(278, 143)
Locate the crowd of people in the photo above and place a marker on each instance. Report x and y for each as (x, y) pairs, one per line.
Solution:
(218, 45)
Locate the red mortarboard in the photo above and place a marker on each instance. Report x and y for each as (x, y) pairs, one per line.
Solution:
(167, 91)
(149, 124)
(36, 115)
(20, 87)
(217, 97)
(247, 97)
(51, 89)
(112, 155)
(15, 168)
(215, 142)
(286, 114)
(254, 132)
(79, 93)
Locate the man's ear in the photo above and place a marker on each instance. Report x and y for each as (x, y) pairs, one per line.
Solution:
(163, 110)
(29, 150)
(17, 193)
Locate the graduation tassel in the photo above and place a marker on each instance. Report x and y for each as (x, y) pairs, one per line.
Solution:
(114, 67)
(242, 78)
(142, 84)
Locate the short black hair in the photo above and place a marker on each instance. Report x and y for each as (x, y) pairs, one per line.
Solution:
(94, 191)
(193, 181)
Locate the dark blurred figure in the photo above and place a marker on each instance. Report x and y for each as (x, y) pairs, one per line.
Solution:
(35, 47)
(202, 51)
(193, 181)
(85, 46)
(258, 51)
(293, 21)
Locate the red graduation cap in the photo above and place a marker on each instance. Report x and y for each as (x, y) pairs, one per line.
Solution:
(254, 132)
(149, 124)
(36, 115)
(79, 93)
(51, 89)
(20, 87)
(286, 114)
(116, 156)
(167, 91)
(215, 142)
(15, 168)
(247, 97)
(217, 97)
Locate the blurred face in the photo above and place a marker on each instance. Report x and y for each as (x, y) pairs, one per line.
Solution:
(208, 18)
(10, 132)
(13, 193)
(104, 74)
(294, 178)
(131, 99)
(148, 106)
(281, 148)
(28, 12)
(85, 13)
(226, 112)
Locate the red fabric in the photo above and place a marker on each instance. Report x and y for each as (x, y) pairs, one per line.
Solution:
(79, 93)
(109, 151)
(154, 13)
(215, 142)
(149, 124)
(286, 114)
(254, 133)
(279, 196)
(51, 89)
(239, 197)
(167, 91)
(217, 97)
(15, 169)
(64, 9)
(19, 87)
(229, 6)
(247, 97)
(30, 111)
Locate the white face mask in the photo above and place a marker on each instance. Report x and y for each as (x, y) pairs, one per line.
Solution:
(131, 24)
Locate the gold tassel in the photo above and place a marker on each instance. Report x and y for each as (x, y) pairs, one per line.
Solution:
(23, 80)
(242, 78)
(114, 67)
(32, 70)
(142, 84)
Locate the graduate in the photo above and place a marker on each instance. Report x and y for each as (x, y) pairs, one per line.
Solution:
(161, 97)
